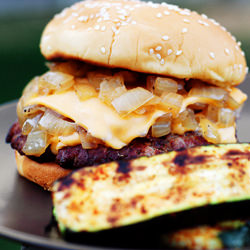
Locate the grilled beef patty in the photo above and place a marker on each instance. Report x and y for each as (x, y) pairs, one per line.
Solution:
(73, 157)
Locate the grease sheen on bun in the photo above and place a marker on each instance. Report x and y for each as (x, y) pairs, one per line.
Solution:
(145, 37)
(44, 174)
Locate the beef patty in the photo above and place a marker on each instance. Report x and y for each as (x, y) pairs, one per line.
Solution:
(75, 156)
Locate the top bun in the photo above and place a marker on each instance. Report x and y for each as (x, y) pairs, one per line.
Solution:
(146, 37)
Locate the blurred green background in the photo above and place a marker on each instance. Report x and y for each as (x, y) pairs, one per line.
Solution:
(22, 22)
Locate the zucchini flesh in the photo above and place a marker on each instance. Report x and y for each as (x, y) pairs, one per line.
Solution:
(123, 193)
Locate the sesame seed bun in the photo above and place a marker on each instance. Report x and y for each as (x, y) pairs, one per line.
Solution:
(43, 174)
(145, 37)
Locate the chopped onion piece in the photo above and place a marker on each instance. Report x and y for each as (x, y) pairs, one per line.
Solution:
(232, 103)
(238, 95)
(187, 118)
(95, 78)
(132, 100)
(56, 81)
(84, 89)
(162, 126)
(212, 113)
(227, 135)
(111, 89)
(54, 124)
(30, 124)
(36, 143)
(226, 117)
(214, 93)
(159, 85)
(87, 140)
(172, 102)
(209, 130)
(165, 85)
(78, 69)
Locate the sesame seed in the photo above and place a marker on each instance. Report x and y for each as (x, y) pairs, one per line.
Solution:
(203, 23)
(158, 48)
(167, 13)
(83, 18)
(74, 14)
(178, 52)
(170, 52)
(204, 16)
(186, 20)
(103, 28)
(158, 56)
(212, 55)
(151, 51)
(243, 53)
(223, 28)
(99, 20)
(184, 30)
(237, 47)
(159, 15)
(162, 61)
(97, 27)
(73, 26)
(165, 38)
(227, 51)
(133, 22)
(239, 44)
(103, 50)
(92, 16)
(185, 13)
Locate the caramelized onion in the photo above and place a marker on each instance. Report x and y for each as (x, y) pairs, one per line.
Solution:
(213, 93)
(84, 89)
(77, 69)
(131, 100)
(30, 124)
(226, 117)
(55, 81)
(187, 118)
(159, 85)
(162, 126)
(54, 124)
(111, 89)
(209, 130)
(36, 143)
(87, 140)
(95, 78)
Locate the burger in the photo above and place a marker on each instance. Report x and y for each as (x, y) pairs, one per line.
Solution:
(126, 79)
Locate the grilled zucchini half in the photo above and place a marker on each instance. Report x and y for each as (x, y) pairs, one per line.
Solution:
(123, 193)
(223, 235)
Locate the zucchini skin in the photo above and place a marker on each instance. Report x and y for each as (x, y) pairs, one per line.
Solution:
(125, 193)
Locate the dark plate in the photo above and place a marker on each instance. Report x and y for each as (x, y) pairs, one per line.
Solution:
(25, 209)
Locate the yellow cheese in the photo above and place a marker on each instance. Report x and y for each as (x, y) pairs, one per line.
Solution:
(100, 120)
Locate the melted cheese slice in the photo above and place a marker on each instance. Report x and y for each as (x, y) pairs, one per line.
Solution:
(100, 120)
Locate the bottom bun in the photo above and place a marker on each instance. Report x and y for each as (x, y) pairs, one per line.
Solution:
(43, 174)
